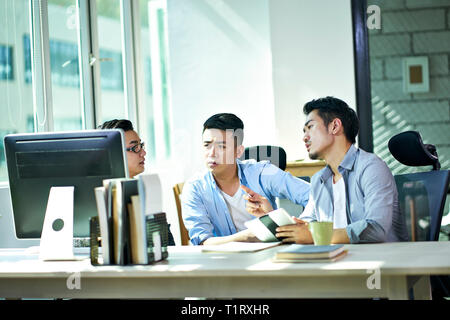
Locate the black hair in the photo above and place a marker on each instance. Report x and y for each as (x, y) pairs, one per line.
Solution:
(226, 121)
(123, 124)
(329, 108)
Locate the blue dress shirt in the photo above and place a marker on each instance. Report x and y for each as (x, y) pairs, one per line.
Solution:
(372, 208)
(205, 212)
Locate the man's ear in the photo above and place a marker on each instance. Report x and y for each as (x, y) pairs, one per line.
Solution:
(240, 151)
(335, 125)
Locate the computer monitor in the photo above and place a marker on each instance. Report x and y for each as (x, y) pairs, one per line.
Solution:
(38, 161)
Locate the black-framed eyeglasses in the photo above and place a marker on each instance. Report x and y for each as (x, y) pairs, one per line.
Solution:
(136, 148)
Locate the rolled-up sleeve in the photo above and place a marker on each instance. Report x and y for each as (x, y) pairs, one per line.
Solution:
(195, 216)
(365, 231)
(380, 192)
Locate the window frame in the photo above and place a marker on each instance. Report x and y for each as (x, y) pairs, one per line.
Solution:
(362, 74)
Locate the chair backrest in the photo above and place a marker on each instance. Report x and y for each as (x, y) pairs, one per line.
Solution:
(408, 148)
(422, 197)
(276, 155)
(184, 234)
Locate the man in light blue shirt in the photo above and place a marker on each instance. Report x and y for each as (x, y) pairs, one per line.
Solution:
(356, 190)
(214, 202)
(369, 210)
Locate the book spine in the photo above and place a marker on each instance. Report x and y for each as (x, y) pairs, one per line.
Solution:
(94, 233)
(104, 221)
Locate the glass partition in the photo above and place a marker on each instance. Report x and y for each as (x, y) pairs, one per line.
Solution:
(16, 93)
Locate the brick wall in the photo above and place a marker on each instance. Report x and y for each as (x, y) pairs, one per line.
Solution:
(411, 28)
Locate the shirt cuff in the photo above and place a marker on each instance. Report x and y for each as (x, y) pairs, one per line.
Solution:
(355, 229)
(365, 231)
(197, 240)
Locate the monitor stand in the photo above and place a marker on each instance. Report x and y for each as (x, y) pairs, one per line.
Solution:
(57, 233)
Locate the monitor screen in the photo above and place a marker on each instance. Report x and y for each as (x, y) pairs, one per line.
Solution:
(38, 161)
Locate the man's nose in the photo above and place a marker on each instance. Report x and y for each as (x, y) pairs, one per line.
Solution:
(212, 151)
(305, 138)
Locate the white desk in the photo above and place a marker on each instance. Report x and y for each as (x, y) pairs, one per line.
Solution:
(190, 273)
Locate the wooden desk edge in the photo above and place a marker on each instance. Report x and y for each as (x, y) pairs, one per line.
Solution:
(299, 164)
(302, 168)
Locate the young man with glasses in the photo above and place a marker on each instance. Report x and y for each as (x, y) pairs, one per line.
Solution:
(135, 152)
(134, 145)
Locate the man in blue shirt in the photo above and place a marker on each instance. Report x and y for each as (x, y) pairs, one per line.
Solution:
(356, 190)
(213, 203)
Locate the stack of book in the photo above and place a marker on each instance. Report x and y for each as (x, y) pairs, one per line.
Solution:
(131, 226)
(310, 253)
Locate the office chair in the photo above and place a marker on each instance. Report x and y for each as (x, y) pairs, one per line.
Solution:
(276, 155)
(184, 234)
(421, 195)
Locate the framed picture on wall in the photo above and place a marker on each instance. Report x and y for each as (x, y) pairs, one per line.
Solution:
(415, 74)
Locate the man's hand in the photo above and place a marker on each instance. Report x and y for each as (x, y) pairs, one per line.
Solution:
(246, 236)
(297, 233)
(257, 205)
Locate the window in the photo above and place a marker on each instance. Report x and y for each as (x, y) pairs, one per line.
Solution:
(72, 79)
(147, 112)
(111, 75)
(113, 105)
(64, 65)
(16, 98)
(6, 63)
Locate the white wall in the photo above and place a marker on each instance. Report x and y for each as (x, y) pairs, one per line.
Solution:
(220, 61)
(312, 50)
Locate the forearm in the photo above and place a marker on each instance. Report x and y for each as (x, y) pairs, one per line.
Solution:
(340, 236)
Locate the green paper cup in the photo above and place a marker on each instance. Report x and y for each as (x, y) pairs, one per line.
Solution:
(322, 232)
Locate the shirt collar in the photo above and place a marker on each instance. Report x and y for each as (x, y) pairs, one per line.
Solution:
(350, 157)
(347, 163)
